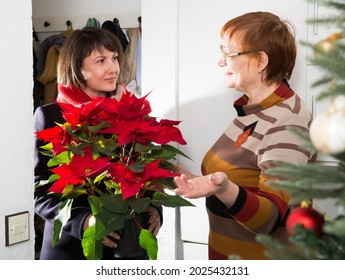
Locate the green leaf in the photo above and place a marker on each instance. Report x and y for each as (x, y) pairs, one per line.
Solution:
(152, 152)
(175, 150)
(47, 153)
(51, 179)
(95, 203)
(92, 248)
(78, 149)
(110, 212)
(167, 183)
(169, 200)
(106, 146)
(138, 205)
(100, 177)
(81, 134)
(47, 147)
(137, 167)
(61, 219)
(114, 203)
(113, 187)
(73, 191)
(106, 221)
(161, 154)
(148, 241)
(101, 125)
(63, 157)
(146, 148)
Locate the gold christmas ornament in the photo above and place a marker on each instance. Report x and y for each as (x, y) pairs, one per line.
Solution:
(327, 43)
(327, 131)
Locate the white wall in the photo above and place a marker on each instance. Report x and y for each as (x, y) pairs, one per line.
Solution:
(160, 74)
(56, 8)
(16, 126)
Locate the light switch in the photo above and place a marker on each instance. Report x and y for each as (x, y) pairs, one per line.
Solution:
(17, 228)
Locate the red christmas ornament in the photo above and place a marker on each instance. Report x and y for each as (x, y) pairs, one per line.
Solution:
(306, 216)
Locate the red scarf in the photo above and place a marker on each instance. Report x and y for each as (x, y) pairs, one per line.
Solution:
(72, 95)
(75, 96)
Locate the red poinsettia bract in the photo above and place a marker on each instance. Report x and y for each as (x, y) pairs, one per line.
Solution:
(118, 155)
(128, 119)
(78, 170)
(57, 136)
(131, 182)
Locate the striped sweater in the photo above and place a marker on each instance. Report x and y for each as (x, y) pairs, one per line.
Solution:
(256, 137)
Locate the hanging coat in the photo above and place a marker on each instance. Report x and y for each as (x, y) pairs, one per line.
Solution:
(48, 76)
(128, 70)
(116, 29)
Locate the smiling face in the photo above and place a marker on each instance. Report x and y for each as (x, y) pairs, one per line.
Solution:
(100, 70)
(241, 71)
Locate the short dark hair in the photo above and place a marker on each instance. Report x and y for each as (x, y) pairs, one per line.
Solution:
(266, 32)
(79, 45)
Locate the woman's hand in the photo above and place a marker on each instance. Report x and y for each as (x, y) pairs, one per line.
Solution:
(106, 241)
(154, 220)
(214, 184)
(200, 186)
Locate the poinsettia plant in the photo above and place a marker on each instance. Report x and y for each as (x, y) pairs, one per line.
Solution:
(115, 153)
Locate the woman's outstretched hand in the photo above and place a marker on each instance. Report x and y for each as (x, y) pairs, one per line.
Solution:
(214, 184)
(200, 186)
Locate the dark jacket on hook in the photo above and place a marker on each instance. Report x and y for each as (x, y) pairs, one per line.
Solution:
(116, 29)
(47, 64)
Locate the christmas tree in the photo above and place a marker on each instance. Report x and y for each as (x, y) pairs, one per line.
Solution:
(312, 235)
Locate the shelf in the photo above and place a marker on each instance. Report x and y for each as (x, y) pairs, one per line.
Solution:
(59, 24)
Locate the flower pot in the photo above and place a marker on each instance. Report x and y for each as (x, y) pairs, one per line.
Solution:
(128, 245)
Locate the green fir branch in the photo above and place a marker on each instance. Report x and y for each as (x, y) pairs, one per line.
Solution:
(308, 181)
(315, 181)
(303, 245)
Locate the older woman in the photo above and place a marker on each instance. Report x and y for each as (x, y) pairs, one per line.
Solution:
(258, 57)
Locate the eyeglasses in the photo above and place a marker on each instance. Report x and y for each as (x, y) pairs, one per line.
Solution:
(227, 55)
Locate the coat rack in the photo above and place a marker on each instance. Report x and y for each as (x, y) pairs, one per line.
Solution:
(59, 24)
(68, 24)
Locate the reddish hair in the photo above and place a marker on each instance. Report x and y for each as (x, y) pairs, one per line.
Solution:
(266, 32)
